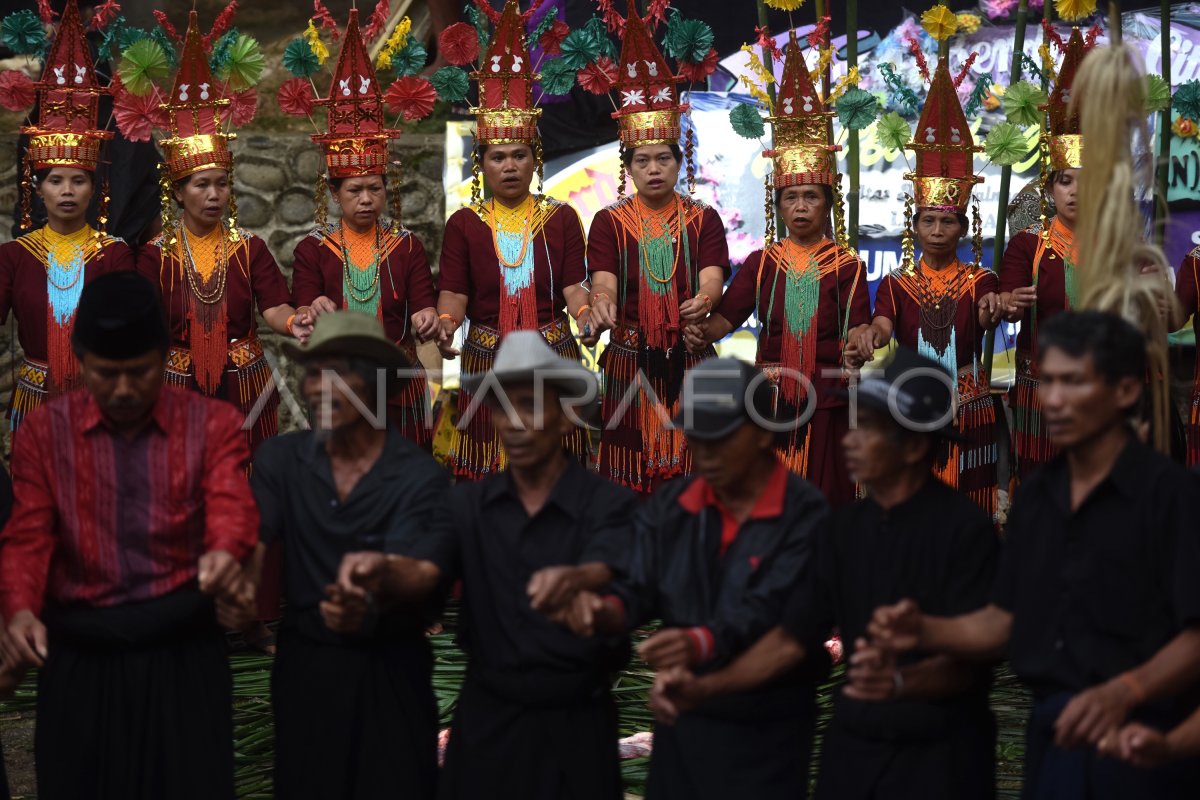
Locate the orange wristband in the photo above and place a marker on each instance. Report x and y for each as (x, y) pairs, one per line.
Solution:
(449, 317)
(582, 308)
(290, 320)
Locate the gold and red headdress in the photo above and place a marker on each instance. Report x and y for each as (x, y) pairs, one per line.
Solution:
(506, 113)
(197, 139)
(802, 126)
(67, 133)
(1064, 143)
(649, 109)
(944, 176)
(357, 136)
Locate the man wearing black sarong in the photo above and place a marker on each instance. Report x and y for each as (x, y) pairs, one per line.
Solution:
(715, 557)
(132, 514)
(355, 715)
(536, 718)
(916, 728)
(1096, 599)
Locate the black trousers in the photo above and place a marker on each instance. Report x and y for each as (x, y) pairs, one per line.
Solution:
(135, 702)
(709, 758)
(1052, 773)
(548, 747)
(354, 722)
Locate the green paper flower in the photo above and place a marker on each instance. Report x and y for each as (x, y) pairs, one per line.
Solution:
(856, 109)
(451, 84)
(597, 28)
(1005, 144)
(131, 36)
(687, 39)
(22, 32)
(580, 48)
(545, 25)
(1187, 100)
(558, 76)
(410, 59)
(222, 51)
(141, 65)
(1023, 102)
(299, 59)
(1158, 94)
(893, 131)
(164, 40)
(746, 121)
(245, 63)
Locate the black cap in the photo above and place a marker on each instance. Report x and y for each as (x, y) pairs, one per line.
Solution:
(914, 390)
(120, 316)
(721, 394)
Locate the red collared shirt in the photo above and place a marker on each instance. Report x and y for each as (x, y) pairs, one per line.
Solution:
(102, 521)
(700, 495)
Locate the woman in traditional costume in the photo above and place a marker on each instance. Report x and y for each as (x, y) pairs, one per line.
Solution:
(43, 272)
(212, 273)
(512, 262)
(1039, 276)
(658, 260)
(365, 262)
(936, 304)
(808, 292)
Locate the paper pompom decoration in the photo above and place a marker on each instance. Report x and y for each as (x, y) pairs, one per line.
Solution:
(17, 92)
(694, 73)
(940, 22)
(687, 39)
(746, 121)
(243, 64)
(459, 44)
(857, 108)
(138, 115)
(242, 107)
(893, 131)
(1158, 94)
(22, 32)
(1187, 99)
(295, 97)
(551, 41)
(1022, 103)
(598, 78)
(143, 63)
(580, 48)
(1072, 10)
(1005, 144)
(558, 76)
(410, 59)
(451, 84)
(299, 58)
(411, 97)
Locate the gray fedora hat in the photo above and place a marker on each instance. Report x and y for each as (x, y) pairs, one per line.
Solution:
(525, 356)
(349, 334)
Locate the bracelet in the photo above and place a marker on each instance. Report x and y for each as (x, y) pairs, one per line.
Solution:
(1134, 686)
(597, 295)
(290, 320)
(707, 301)
(450, 317)
(582, 308)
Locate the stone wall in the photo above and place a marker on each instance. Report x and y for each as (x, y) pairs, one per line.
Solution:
(275, 177)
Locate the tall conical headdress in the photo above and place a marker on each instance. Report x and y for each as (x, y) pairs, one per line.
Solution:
(506, 113)
(648, 103)
(945, 149)
(197, 141)
(801, 126)
(67, 133)
(356, 139)
(1064, 142)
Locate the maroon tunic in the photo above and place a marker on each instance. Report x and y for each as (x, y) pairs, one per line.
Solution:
(813, 450)
(971, 463)
(469, 264)
(1031, 441)
(405, 287)
(636, 448)
(253, 279)
(1187, 289)
(23, 288)
(613, 248)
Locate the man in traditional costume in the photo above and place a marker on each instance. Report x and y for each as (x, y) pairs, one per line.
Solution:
(364, 261)
(43, 272)
(514, 261)
(133, 513)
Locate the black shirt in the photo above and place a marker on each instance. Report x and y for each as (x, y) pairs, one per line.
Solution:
(298, 502)
(938, 548)
(1099, 590)
(679, 575)
(485, 537)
